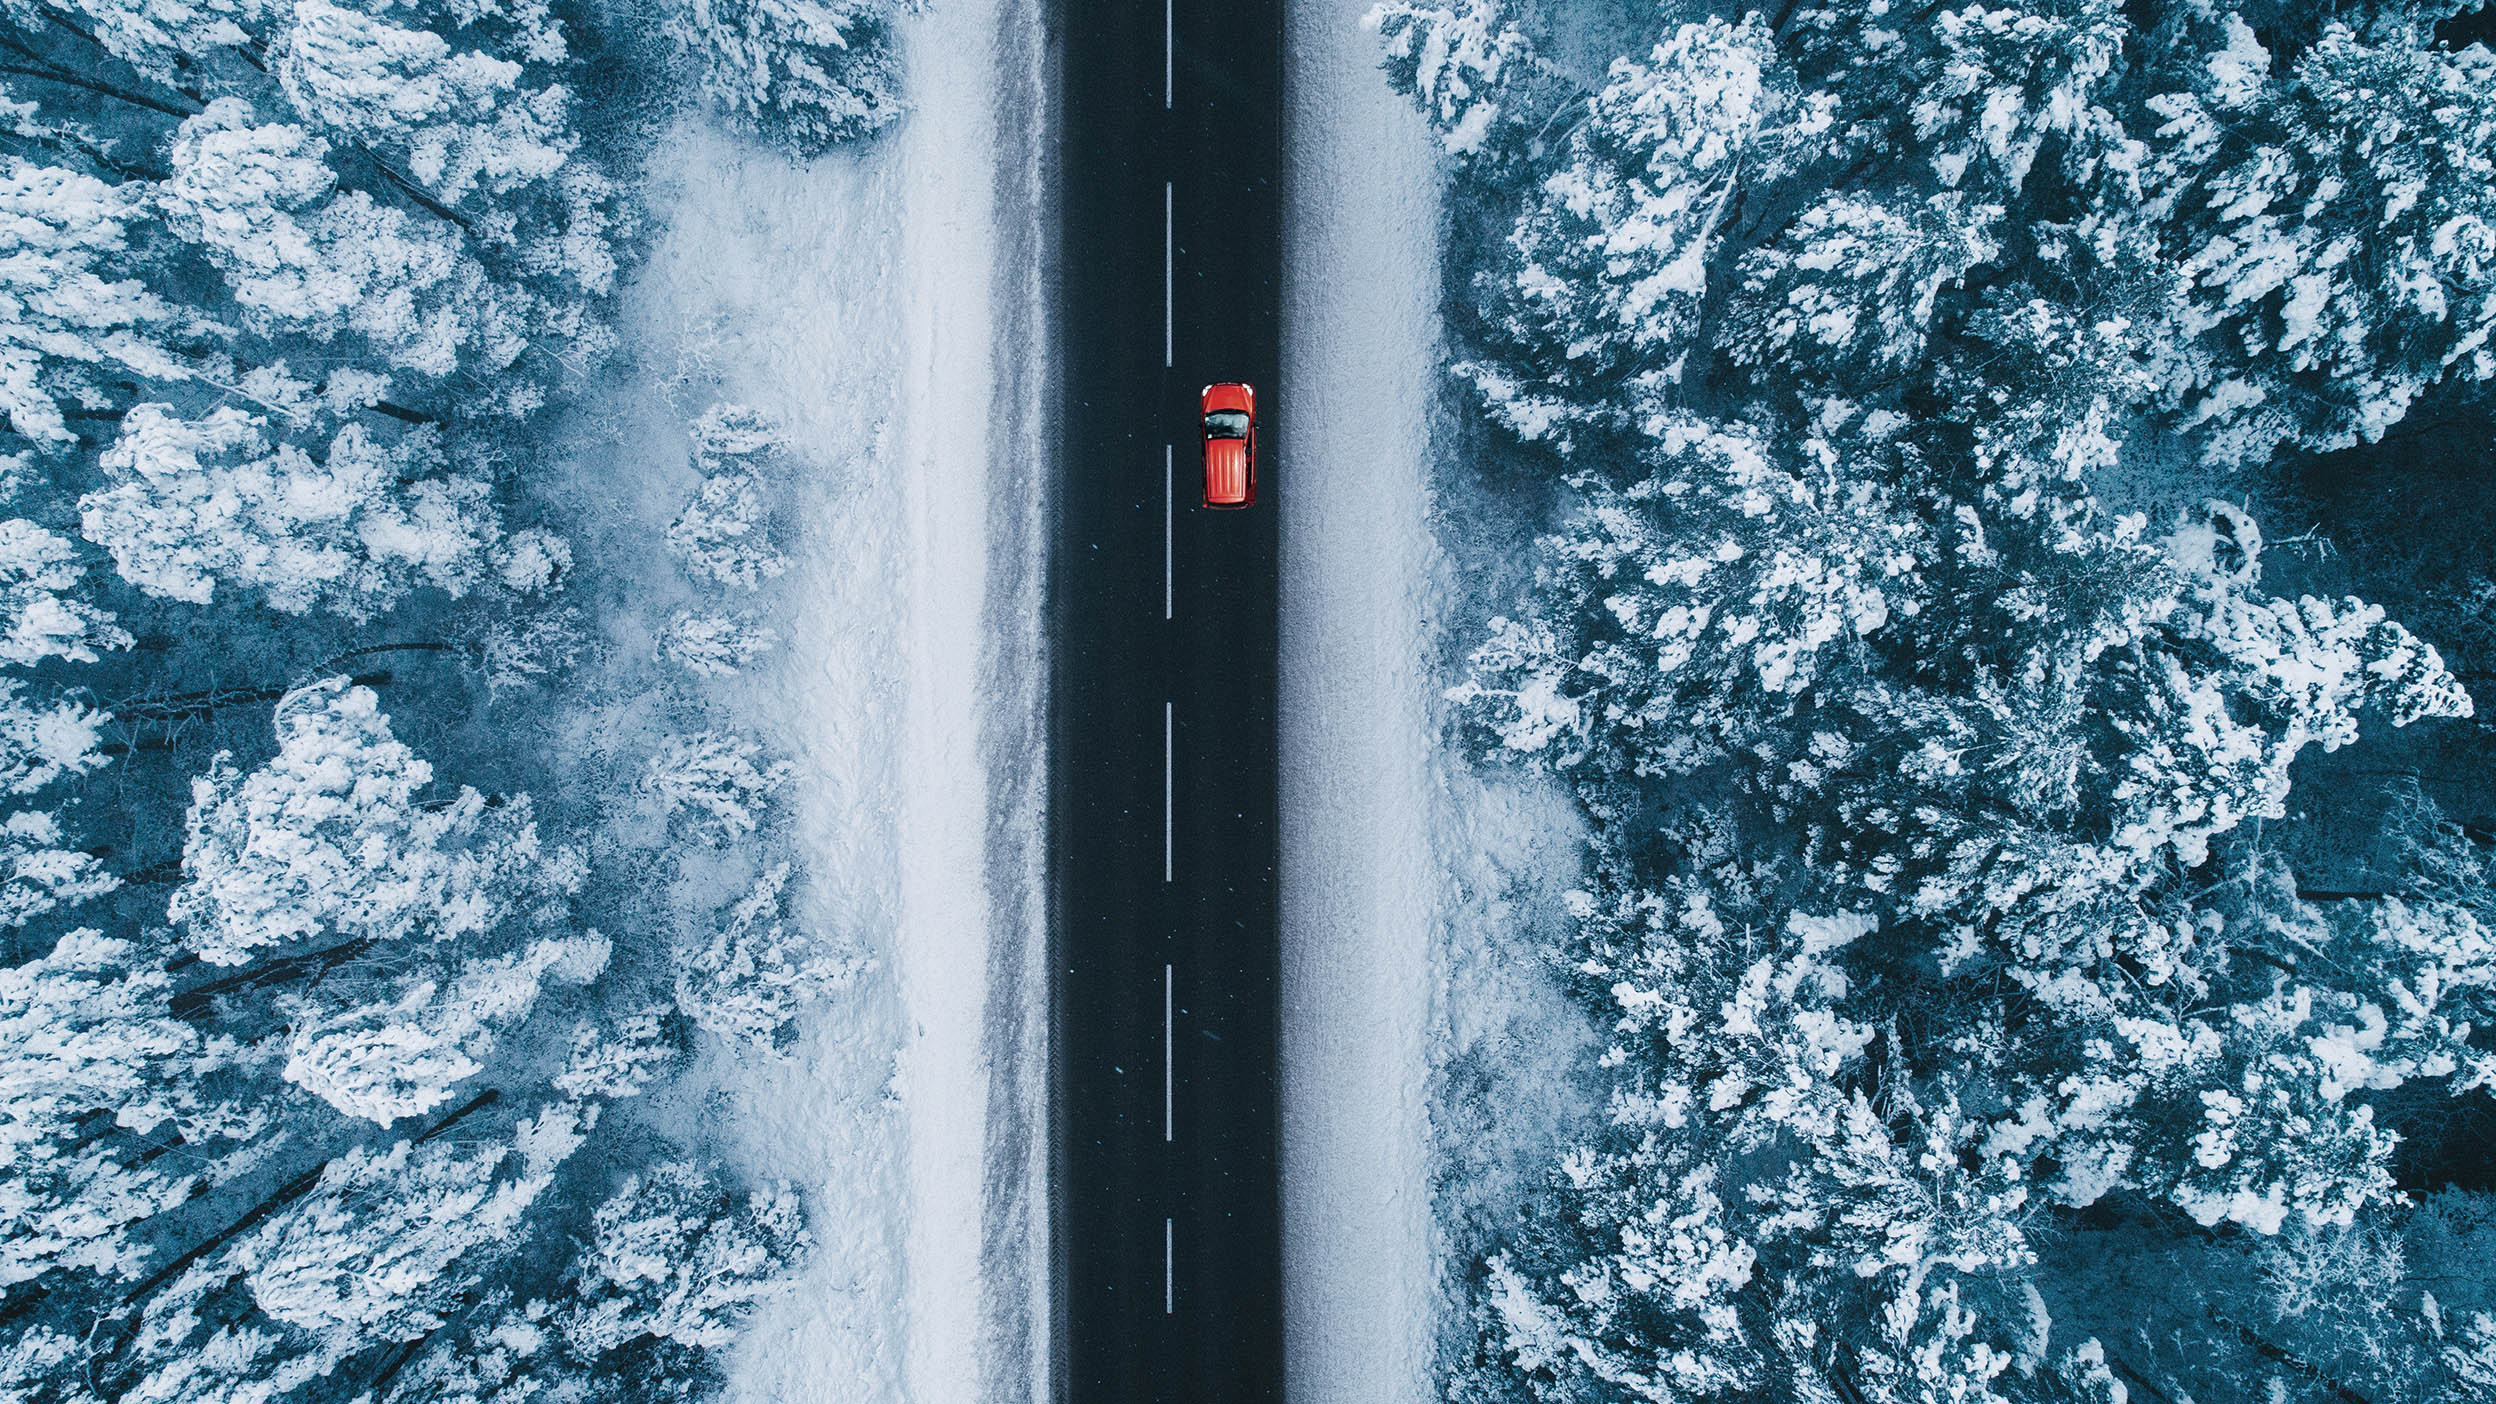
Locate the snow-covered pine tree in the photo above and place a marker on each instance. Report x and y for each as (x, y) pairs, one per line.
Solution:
(1682, 612)
(387, 1242)
(196, 502)
(331, 842)
(333, 839)
(533, 561)
(1846, 296)
(1607, 266)
(732, 434)
(2205, 691)
(715, 645)
(459, 122)
(40, 745)
(1971, 94)
(757, 972)
(2337, 224)
(29, 1359)
(93, 1068)
(619, 1059)
(73, 316)
(511, 1354)
(806, 73)
(532, 646)
(724, 779)
(673, 1255)
(42, 872)
(401, 1052)
(43, 612)
(382, 1247)
(43, 744)
(721, 534)
(1656, 1252)
(302, 257)
(1742, 1207)
(160, 38)
(1469, 68)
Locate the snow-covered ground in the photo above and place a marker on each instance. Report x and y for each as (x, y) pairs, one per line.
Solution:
(1360, 884)
(1429, 1059)
(884, 304)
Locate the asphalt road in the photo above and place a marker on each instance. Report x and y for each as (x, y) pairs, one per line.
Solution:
(1163, 647)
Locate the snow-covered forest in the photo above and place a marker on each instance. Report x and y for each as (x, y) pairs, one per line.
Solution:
(2012, 542)
(339, 962)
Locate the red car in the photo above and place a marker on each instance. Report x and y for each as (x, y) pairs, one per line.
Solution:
(1230, 436)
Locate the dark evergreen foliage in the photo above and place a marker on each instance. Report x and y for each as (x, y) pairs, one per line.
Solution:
(1969, 1038)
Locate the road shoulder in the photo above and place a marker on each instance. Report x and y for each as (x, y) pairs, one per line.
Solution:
(1360, 879)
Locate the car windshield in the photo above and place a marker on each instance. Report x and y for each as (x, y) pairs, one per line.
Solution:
(1226, 424)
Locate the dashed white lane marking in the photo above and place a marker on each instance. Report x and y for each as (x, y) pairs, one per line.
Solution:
(1169, 45)
(1169, 1126)
(1168, 723)
(1169, 1276)
(1169, 264)
(1169, 499)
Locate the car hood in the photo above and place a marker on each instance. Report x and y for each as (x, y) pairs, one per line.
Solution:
(1226, 469)
(1238, 397)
